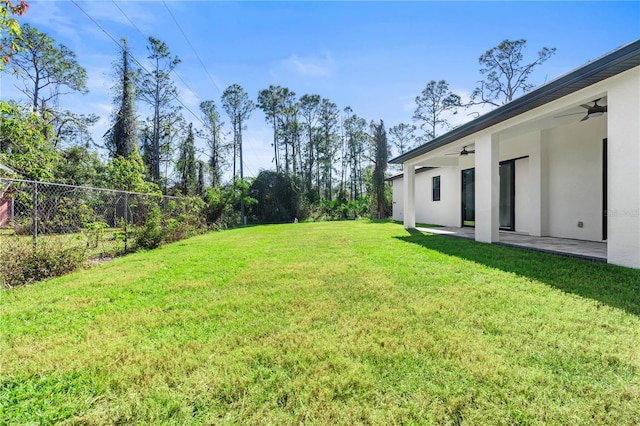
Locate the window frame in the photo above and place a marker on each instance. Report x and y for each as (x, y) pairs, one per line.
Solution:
(436, 183)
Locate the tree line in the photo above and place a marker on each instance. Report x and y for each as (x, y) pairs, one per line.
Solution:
(330, 161)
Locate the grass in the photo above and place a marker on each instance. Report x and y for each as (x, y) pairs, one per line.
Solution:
(105, 244)
(326, 323)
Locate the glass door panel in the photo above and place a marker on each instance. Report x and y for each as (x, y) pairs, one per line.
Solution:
(507, 195)
(468, 197)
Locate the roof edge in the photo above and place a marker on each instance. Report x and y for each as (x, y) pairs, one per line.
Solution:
(625, 52)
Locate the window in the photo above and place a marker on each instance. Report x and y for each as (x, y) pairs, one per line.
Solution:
(436, 188)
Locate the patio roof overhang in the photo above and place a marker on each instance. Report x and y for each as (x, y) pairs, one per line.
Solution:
(609, 65)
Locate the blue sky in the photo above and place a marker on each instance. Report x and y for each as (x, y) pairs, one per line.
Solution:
(373, 56)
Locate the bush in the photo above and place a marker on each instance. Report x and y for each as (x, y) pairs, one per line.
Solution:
(278, 201)
(151, 234)
(23, 265)
(63, 215)
(184, 218)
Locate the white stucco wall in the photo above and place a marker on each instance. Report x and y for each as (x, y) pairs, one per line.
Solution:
(398, 200)
(445, 212)
(574, 184)
(523, 199)
(623, 118)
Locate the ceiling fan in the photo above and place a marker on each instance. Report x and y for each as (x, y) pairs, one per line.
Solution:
(594, 110)
(464, 151)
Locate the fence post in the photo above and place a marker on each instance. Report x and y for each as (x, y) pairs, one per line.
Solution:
(126, 220)
(35, 215)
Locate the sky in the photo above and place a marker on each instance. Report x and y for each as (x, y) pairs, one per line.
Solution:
(375, 57)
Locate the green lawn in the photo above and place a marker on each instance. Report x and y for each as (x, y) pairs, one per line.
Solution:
(326, 323)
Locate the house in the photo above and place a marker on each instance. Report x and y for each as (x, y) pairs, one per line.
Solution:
(6, 201)
(562, 161)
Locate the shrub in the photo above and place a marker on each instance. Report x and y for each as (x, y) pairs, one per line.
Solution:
(151, 234)
(94, 232)
(184, 218)
(62, 215)
(24, 264)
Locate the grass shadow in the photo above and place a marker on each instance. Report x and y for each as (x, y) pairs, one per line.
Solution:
(611, 285)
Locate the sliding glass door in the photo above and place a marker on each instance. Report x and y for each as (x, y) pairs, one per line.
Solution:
(469, 197)
(507, 195)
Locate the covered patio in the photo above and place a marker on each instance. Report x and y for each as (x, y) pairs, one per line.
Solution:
(558, 168)
(588, 250)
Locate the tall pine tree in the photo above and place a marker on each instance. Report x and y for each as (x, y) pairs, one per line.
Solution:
(121, 138)
(186, 166)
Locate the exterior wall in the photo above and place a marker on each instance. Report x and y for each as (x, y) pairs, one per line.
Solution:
(623, 216)
(523, 198)
(520, 148)
(398, 201)
(574, 186)
(445, 212)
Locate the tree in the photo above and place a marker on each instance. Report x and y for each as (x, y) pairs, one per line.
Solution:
(127, 174)
(212, 134)
(238, 107)
(356, 139)
(270, 101)
(200, 186)
(50, 70)
(24, 145)
(122, 137)
(79, 166)
(158, 90)
(403, 137)
(327, 146)
(186, 165)
(10, 29)
(505, 73)
(277, 200)
(435, 100)
(289, 129)
(310, 111)
(381, 151)
(73, 129)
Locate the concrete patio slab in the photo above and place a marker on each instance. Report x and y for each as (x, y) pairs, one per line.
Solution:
(588, 250)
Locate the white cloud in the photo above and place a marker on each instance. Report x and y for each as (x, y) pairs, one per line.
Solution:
(314, 67)
(124, 13)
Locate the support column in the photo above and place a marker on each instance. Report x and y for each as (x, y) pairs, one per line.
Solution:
(487, 191)
(539, 186)
(409, 193)
(623, 128)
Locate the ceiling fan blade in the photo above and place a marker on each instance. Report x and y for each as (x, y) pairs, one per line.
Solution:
(586, 117)
(567, 115)
(473, 151)
(586, 106)
(453, 153)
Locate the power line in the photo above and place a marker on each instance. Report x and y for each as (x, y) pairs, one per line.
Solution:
(130, 21)
(146, 70)
(147, 38)
(192, 48)
(133, 57)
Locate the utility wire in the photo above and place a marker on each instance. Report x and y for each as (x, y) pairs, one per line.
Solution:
(146, 39)
(130, 21)
(133, 57)
(142, 66)
(192, 48)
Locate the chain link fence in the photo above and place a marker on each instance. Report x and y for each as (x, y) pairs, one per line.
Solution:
(82, 223)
